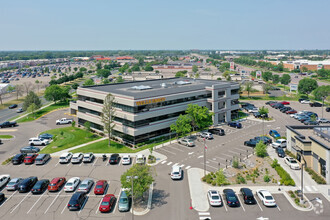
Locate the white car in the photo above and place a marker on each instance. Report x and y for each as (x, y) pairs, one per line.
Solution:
(279, 143)
(88, 158)
(140, 159)
(176, 173)
(206, 135)
(65, 157)
(292, 163)
(4, 179)
(253, 110)
(38, 141)
(305, 102)
(126, 160)
(72, 184)
(323, 120)
(77, 158)
(214, 198)
(266, 198)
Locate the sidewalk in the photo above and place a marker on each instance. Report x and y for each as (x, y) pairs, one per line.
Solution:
(22, 116)
(197, 190)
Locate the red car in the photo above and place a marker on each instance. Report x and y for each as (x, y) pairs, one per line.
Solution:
(108, 201)
(56, 184)
(100, 187)
(292, 111)
(285, 103)
(29, 159)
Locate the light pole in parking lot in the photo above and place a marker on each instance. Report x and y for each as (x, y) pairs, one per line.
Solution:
(204, 157)
(131, 178)
(302, 175)
(323, 104)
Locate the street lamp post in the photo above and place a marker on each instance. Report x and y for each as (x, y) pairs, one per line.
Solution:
(204, 158)
(131, 178)
(302, 175)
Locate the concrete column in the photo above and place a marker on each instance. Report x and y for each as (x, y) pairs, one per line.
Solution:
(215, 117)
(327, 164)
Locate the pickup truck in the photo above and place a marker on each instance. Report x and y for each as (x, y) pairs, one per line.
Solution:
(7, 124)
(63, 121)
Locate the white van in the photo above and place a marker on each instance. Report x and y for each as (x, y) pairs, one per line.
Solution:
(140, 159)
(38, 141)
(176, 173)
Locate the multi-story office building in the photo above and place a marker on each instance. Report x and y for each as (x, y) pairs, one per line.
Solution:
(146, 109)
(313, 142)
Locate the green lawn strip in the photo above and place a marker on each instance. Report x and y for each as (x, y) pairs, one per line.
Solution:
(67, 137)
(281, 98)
(6, 136)
(43, 111)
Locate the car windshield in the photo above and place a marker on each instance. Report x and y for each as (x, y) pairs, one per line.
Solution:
(232, 198)
(123, 200)
(269, 197)
(215, 197)
(98, 186)
(52, 184)
(83, 186)
(105, 203)
(176, 173)
(11, 183)
(293, 161)
(86, 157)
(69, 184)
(62, 158)
(278, 142)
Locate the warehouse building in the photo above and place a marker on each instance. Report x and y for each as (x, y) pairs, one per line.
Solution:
(314, 143)
(146, 109)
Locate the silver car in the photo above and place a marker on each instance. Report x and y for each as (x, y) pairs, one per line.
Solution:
(13, 184)
(86, 185)
(124, 203)
(186, 142)
(77, 158)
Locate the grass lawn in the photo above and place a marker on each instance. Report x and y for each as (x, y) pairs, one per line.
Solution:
(6, 136)
(43, 111)
(280, 98)
(67, 137)
(102, 147)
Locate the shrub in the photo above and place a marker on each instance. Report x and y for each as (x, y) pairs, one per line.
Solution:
(221, 178)
(240, 179)
(261, 149)
(73, 124)
(266, 178)
(235, 163)
(214, 183)
(275, 163)
(316, 177)
(285, 177)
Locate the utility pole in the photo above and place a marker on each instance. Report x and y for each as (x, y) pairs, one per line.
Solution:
(302, 176)
(204, 158)
(128, 178)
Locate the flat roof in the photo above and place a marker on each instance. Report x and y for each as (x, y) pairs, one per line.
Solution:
(158, 87)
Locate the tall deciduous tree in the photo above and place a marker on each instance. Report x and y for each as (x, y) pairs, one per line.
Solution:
(108, 115)
(19, 90)
(31, 98)
(194, 68)
(285, 79)
(56, 93)
(27, 87)
(200, 116)
(248, 87)
(32, 108)
(261, 149)
(182, 125)
(322, 92)
(276, 79)
(306, 86)
(267, 76)
(89, 82)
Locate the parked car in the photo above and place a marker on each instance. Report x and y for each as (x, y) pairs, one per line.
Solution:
(310, 122)
(20, 110)
(265, 139)
(278, 105)
(38, 141)
(280, 152)
(40, 186)
(86, 185)
(279, 143)
(323, 120)
(291, 111)
(114, 159)
(2, 197)
(327, 109)
(42, 159)
(315, 104)
(123, 202)
(214, 198)
(77, 201)
(206, 135)
(77, 158)
(248, 196)
(266, 198)
(235, 124)
(29, 159)
(12, 106)
(292, 163)
(231, 197)
(107, 203)
(88, 158)
(8, 124)
(100, 187)
(13, 184)
(126, 160)
(140, 159)
(65, 157)
(285, 103)
(285, 109)
(71, 184)
(251, 142)
(63, 121)
(270, 102)
(253, 110)
(274, 134)
(176, 173)
(56, 184)
(187, 142)
(27, 184)
(46, 136)
(217, 131)
(4, 179)
(306, 101)
(300, 100)
(18, 158)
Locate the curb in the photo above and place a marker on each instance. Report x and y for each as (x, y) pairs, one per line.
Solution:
(22, 116)
(310, 208)
(50, 112)
(149, 202)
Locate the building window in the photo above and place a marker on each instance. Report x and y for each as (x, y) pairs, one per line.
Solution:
(221, 94)
(234, 102)
(234, 91)
(221, 105)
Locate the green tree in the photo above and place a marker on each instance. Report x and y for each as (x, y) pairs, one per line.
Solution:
(276, 79)
(98, 65)
(148, 67)
(10, 88)
(123, 68)
(75, 86)
(304, 69)
(108, 115)
(285, 79)
(19, 91)
(105, 81)
(38, 84)
(105, 73)
(321, 92)
(89, 82)
(266, 87)
(323, 73)
(75, 69)
(306, 86)
(194, 68)
(56, 93)
(140, 184)
(31, 98)
(87, 126)
(197, 75)
(182, 125)
(181, 74)
(83, 69)
(221, 178)
(248, 87)
(136, 68)
(267, 76)
(263, 110)
(32, 108)
(261, 149)
(200, 116)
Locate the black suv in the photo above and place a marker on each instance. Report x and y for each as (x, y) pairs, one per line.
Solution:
(217, 131)
(77, 200)
(114, 159)
(27, 184)
(248, 196)
(40, 186)
(315, 104)
(18, 159)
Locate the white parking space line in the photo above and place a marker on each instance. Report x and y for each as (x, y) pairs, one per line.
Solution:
(166, 151)
(8, 198)
(220, 158)
(52, 202)
(83, 206)
(114, 209)
(176, 148)
(95, 161)
(169, 163)
(20, 202)
(188, 167)
(234, 152)
(227, 155)
(244, 150)
(258, 204)
(210, 166)
(203, 213)
(175, 164)
(35, 204)
(97, 208)
(314, 188)
(278, 207)
(224, 204)
(308, 188)
(57, 164)
(163, 162)
(80, 164)
(68, 164)
(182, 165)
(241, 203)
(65, 206)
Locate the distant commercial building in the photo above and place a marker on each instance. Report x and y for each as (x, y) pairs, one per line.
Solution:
(300, 64)
(314, 143)
(146, 109)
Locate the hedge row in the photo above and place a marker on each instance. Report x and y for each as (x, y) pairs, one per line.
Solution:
(315, 176)
(285, 177)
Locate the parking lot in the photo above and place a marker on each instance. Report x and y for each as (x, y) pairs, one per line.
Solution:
(49, 205)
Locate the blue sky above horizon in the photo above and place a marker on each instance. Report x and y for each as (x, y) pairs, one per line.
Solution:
(152, 24)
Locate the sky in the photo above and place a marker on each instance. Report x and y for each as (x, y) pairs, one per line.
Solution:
(164, 25)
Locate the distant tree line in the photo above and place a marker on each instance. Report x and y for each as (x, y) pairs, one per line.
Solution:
(66, 78)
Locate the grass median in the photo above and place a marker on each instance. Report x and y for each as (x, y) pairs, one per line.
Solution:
(67, 137)
(6, 136)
